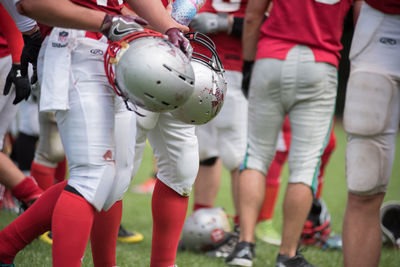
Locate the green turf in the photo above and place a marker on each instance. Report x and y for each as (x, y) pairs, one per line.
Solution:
(137, 216)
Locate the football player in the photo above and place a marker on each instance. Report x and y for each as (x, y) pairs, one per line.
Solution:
(294, 74)
(22, 187)
(264, 225)
(223, 140)
(86, 112)
(371, 121)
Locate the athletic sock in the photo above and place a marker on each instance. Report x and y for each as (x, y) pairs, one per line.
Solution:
(104, 235)
(61, 171)
(43, 175)
(27, 190)
(71, 224)
(33, 222)
(169, 213)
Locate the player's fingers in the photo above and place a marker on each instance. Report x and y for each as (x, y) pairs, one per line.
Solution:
(7, 86)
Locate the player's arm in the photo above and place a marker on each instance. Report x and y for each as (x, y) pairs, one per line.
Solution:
(61, 13)
(155, 13)
(15, 44)
(253, 19)
(356, 10)
(12, 35)
(255, 14)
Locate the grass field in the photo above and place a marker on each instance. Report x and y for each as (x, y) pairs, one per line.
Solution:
(137, 216)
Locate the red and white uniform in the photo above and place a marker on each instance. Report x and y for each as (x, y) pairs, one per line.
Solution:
(225, 135)
(9, 35)
(321, 31)
(74, 85)
(372, 110)
(295, 74)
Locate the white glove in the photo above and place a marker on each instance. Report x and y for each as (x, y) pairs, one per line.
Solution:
(210, 22)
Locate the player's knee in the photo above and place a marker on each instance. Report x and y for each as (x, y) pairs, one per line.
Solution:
(209, 162)
(56, 154)
(367, 166)
(368, 100)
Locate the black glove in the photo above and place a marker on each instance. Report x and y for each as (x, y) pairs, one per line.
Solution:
(247, 68)
(116, 27)
(22, 85)
(176, 37)
(30, 53)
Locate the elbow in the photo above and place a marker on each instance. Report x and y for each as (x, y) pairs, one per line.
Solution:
(26, 8)
(253, 19)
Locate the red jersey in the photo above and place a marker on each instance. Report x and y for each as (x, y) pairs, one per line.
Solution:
(4, 51)
(229, 48)
(386, 6)
(109, 6)
(315, 23)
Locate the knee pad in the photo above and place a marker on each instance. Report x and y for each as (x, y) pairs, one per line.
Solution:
(208, 162)
(50, 150)
(367, 166)
(368, 100)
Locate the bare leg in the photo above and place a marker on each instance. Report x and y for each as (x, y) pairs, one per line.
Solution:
(362, 237)
(235, 189)
(296, 206)
(251, 194)
(207, 184)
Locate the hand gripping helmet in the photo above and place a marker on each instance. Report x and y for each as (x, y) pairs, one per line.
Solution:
(149, 71)
(317, 228)
(204, 229)
(210, 87)
(390, 223)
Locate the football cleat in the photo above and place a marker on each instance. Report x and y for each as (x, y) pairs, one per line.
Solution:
(47, 238)
(242, 255)
(227, 246)
(129, 237)
(266, 232)
(296, 261)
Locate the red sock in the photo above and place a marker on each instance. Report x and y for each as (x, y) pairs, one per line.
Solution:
(61, 171)
(197, 206)
(236, 220)
(27, 190)
(169, 213)
(43, 175)
(272, 186)
(33, 222)
(103, 242)
(71, 224)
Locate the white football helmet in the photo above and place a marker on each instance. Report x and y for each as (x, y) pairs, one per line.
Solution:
(149, 71)
(204, 229)
(390, 223)
(209, 92)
